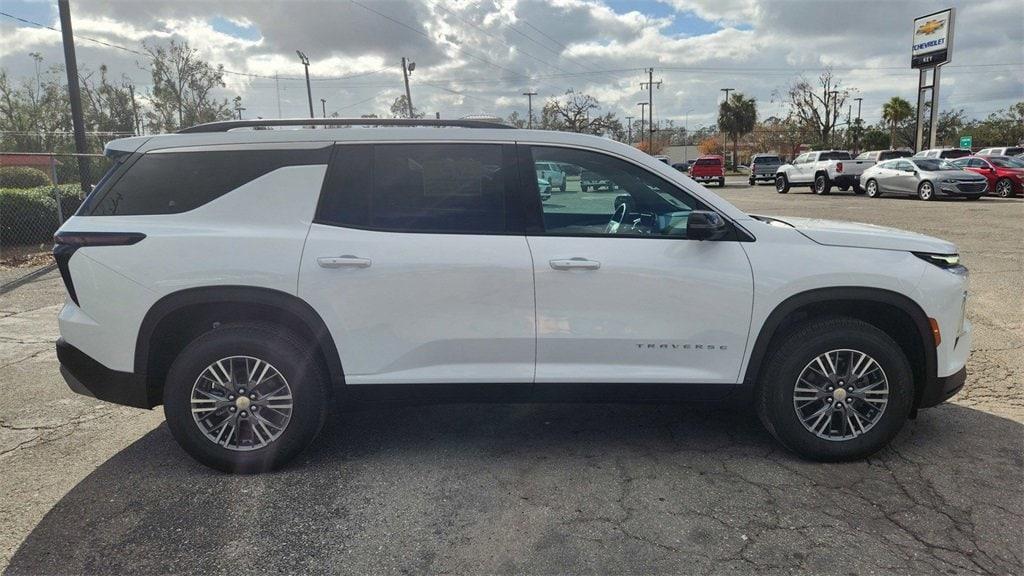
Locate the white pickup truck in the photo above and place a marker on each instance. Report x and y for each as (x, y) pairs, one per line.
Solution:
(822, 170)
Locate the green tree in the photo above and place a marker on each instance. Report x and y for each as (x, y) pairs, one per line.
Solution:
(737, 117)
(108, 107)
(183, 89)
(895, 112)
(400, 108)
(874, 139)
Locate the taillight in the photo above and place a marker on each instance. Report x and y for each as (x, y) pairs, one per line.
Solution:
(839, 166)
(66, 243)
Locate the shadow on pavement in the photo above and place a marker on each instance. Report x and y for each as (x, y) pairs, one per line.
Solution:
(552, 488)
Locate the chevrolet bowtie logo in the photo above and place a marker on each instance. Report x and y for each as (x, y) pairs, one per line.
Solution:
(930, 27)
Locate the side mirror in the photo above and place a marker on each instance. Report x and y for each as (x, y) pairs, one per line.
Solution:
(703, 225)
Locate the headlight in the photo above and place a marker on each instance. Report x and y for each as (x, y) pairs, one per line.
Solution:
(949, 262)
(949, 181)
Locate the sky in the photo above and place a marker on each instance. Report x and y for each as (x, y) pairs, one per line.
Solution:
(479, 56)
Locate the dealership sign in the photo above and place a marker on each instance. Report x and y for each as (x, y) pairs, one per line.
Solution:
(933, 40)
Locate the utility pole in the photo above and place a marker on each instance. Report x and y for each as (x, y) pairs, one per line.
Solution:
(277, 88)
(239, 108)
(74, 93)
(135, 109)
(629, 129)
(726, 90)
(686, 131)
(835, 116)
(856, 133)
(407, 69)
(650, 84)
(529, 108)
(643, 106)
(309, 90)
(323, 106)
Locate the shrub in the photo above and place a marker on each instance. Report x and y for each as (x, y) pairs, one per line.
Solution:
(22, 177)
(29, 215)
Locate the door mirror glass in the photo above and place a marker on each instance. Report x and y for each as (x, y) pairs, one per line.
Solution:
(705, 225)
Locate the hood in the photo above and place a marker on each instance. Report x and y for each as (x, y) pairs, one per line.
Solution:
(955, 175)
(856, 235)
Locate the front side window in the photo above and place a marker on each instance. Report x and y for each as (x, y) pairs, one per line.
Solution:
(1006, 162)
(438, 188)
(613, 197)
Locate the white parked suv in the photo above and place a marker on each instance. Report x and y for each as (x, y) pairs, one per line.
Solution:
(245, 279)
(822, 169)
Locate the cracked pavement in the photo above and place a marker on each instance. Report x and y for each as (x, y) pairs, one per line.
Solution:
(88, 487)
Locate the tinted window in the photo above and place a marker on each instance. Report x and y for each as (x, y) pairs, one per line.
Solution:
(709, 162)
(1012, 151)
(445, 188)
(614, 197)
(175, 182)
(835, 156)
(890, 154)
(1006, 162)
(766, 160)
(954, 153)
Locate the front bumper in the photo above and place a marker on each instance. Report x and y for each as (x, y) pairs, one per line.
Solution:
(88, 377)
(943, 388)
(963, 189)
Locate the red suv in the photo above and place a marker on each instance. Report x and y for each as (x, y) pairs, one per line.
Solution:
(1005, 174)
(708, 168)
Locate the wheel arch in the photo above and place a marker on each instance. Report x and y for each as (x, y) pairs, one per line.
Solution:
(896, 314)
(177, 318)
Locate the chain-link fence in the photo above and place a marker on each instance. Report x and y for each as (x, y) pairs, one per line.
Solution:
(38, 191)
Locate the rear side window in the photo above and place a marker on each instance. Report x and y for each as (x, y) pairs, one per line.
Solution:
(175, 182)
(709, 162)
(439, 188)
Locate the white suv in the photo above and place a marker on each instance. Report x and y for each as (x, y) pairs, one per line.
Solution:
(245, 278)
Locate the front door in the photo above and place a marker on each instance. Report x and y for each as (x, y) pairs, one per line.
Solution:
(419, 269)
(622, 295)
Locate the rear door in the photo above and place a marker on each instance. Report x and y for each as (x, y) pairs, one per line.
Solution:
(417, 264)
(622, 295)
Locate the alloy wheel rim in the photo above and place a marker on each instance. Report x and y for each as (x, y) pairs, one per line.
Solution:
(780, 183)
(241, 403)
(841, 395)
(872, 188)
(926, 191)
(1003, 189)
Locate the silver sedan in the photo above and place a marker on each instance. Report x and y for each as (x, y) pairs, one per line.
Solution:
(925, 178)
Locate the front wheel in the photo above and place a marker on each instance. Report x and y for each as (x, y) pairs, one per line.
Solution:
(926, 191)
(245, 398)
(781, 184)
(721, 182)
(872, 189)
(835, 389)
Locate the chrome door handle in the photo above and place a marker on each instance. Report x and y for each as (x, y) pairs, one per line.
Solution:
(575, 264)
(346, 261)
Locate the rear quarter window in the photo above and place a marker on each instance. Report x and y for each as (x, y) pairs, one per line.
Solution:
(175, 182)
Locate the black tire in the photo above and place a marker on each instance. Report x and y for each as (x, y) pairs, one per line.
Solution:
(795, 350)
(781, 184)
(844, 188)
(751, 182)
(721, 182)
(873, 191)
(1004, 188)
(822, 185)
(858, 190)
(972, 197)
(276, 346)
(926, 191)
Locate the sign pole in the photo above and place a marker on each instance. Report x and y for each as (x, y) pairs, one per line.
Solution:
(921, 87)
(933, 126)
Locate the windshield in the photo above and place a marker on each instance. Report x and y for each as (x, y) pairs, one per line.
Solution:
(835, 156)
(767, 160)
(932, 164)
(1007, 162)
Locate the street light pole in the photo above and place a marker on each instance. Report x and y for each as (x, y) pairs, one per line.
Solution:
(407, 68)
(323, 106)
(686, 130)
(643, 106)
(629, 129)
(529, 108)
(309, 89)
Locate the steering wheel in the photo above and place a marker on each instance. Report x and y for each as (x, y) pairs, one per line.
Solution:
(617, 218)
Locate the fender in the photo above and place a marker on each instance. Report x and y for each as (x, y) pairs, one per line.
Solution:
(282, 301)
(844, 293)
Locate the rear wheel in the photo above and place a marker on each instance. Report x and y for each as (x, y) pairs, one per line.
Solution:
(781, 184)
(835, 389)
(245, 398)
(721, 182)
(822, 185)
(925, 191)
(872, 189)
(1004, 188)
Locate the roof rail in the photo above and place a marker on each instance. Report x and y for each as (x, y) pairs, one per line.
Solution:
(259, 123)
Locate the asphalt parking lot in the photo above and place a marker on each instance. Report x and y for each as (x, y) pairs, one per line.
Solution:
(88, 487)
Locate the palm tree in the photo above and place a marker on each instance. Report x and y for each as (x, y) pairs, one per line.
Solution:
(894, 111)
(737, 117)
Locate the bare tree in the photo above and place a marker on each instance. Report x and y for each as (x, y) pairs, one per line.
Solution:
(183, 86)
(815, 106)
(578, 112)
